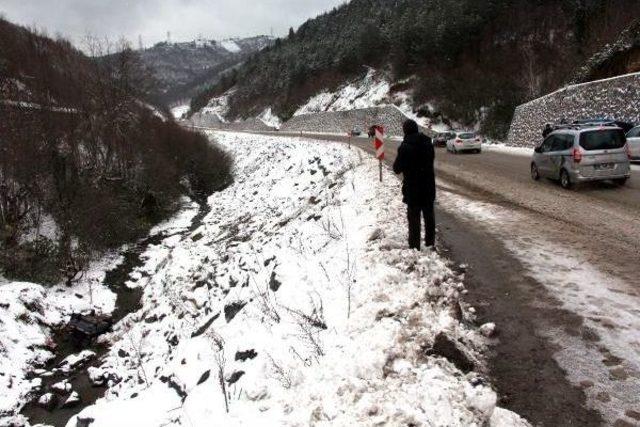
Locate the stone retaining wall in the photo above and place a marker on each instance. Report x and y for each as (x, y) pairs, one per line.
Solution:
(212, 121)
(324, 122)
(344, 121)
(616, 98)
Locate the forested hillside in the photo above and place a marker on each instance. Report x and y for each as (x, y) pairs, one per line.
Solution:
(86, 164)
(472, 59)
(619, 57)
(182, 69)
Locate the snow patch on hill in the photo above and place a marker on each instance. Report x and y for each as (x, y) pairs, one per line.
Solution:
(219, 106)
(230, 45)
(296, 303)
(268, 118)
(370, 91)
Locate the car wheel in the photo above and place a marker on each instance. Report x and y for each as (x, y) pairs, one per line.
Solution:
(535, 173)
(565, 179)
(621, 181)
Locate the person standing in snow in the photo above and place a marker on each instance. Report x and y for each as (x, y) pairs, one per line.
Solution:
(415, 162)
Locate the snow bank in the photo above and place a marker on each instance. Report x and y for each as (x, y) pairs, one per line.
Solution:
(24, 339)
(296, 303)
(507, 149)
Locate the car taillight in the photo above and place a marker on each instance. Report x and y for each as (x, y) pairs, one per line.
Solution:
(458, 141)
(577, 155)
(477, 139)
(627, 149)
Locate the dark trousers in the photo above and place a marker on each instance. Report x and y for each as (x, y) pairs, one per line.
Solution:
(414, 214)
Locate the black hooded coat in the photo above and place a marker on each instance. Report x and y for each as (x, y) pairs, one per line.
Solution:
(415, 161)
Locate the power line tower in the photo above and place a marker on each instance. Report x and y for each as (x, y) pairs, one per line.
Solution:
(140, 44)
(168, 37)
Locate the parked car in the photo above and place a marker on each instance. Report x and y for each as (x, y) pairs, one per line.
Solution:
(580, 154)
(633, 144)
(355, 132)
(460, 141)
(440, 139)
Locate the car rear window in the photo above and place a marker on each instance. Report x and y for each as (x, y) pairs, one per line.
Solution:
(634, 133)
(608, 139)
(467, 135)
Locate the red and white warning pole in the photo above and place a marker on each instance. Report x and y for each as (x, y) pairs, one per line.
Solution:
(378, 143)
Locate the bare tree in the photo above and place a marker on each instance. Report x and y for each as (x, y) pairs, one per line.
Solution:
(531, 78)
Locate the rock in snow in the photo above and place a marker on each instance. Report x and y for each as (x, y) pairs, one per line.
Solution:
(48, 401)
(72, 400)
(62, 387)
(97, 376)
(488, 330)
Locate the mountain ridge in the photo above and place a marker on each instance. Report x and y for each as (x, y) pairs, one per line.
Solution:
(182, 69)
(474, 61)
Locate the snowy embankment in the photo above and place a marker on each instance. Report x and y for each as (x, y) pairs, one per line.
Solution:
(31, 313)
(28, 314)
(296, 303)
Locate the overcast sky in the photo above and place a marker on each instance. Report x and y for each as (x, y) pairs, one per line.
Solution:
(152, 19)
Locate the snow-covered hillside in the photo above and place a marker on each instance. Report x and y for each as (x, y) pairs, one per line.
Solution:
(296, 303)
(370, 91)
(184, 69)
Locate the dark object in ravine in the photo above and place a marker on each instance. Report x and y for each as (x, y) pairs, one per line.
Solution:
(87, 327)
(84, 422)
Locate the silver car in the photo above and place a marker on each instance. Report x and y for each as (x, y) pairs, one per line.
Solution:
(633, 143)
(580, 154)
(464, 141)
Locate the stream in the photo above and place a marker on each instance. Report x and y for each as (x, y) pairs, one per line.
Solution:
(128, 300)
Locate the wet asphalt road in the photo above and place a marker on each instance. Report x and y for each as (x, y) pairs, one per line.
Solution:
(599, 221)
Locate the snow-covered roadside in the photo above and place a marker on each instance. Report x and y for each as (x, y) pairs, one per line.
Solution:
(30, 312)
(507, 149)
(297, 297)
(610, 365)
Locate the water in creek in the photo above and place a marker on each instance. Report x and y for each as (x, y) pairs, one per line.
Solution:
(127, 301)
